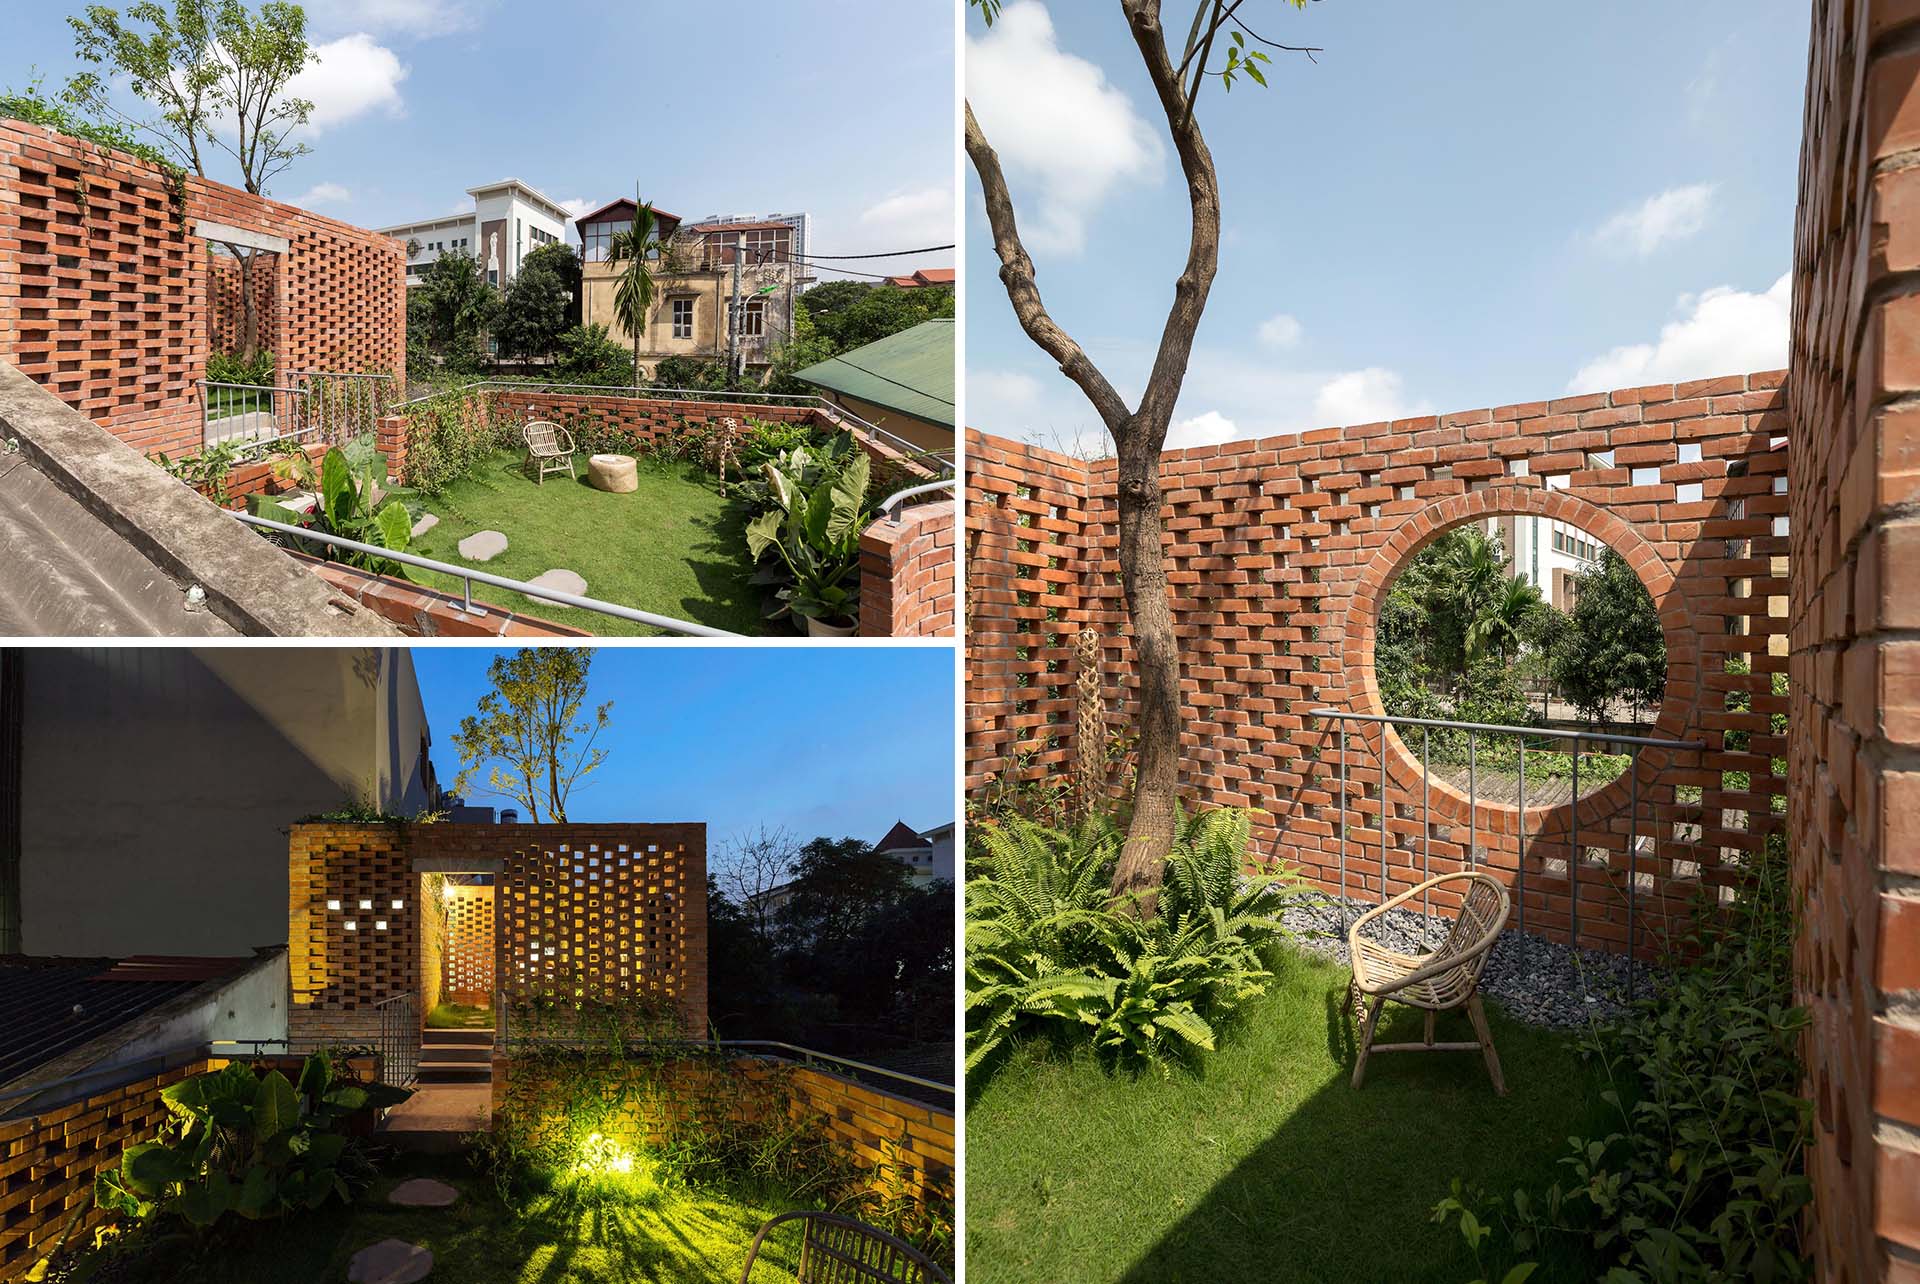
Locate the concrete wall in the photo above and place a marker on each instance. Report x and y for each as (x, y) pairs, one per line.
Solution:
(158, 784)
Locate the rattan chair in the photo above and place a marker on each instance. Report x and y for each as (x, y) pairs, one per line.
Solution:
(840, 1250)
(549, 448)
(1445, 979)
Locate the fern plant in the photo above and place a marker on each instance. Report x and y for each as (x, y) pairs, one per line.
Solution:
(1048, 951)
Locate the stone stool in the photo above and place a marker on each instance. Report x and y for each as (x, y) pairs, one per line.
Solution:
(612, 473)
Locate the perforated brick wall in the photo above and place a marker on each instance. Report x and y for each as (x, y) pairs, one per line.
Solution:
(1855, 777)
(105, 288)
(225, 312)
(1279, 555)
(469, 943)
(906, 574)
(605, 910)
(48, 1162)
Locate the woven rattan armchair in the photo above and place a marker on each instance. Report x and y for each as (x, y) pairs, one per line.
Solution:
(840, 1250)
(549, 448)
(1445, 979)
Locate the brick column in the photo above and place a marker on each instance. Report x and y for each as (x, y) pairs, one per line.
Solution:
(390, 437)
(907, 574)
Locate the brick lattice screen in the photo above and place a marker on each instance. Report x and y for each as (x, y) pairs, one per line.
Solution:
(470, 943)
(108, 288)
(224, 311)
(1280, 553)
(1856, 661)
(48, 1162)
(610, 909)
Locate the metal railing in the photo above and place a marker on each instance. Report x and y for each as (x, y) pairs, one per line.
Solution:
(1474, 731)
(922, 455)
(469, 577)
(256, 415)
(888, 504)
(341, 406)
(399, 1042)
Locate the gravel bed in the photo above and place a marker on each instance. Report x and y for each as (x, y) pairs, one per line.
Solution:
(1534, 980)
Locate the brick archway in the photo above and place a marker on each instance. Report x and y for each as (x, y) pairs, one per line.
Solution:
(1519, 498)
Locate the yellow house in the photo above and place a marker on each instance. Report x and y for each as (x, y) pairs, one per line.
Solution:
(694, 279)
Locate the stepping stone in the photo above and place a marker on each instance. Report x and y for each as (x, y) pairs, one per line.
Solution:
(483, 546)
(425, 524)
(391, 1261)
(561, 580)
(423, 1192)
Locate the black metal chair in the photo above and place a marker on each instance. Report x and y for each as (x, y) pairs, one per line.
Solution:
(840, 1250)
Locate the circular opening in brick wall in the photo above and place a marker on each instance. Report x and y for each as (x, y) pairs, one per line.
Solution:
(1549, 614)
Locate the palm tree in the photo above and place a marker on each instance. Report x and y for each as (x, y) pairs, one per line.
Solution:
(633, 293)
(1500, 622)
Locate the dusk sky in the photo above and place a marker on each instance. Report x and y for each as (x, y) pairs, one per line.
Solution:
(844, 111)
(1457, 206)
(839, 741)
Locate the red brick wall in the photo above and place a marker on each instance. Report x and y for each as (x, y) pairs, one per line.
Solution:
(105, 290)
(1279, 555)
(224, 310)
(624, 906)
(906, 574)
(1855, 608)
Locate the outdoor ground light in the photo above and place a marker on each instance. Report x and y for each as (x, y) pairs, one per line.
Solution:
(602, 1155)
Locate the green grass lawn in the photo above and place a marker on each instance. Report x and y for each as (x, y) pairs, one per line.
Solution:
(459, 1016)
(673, 547)
(567, 1238)
(1260, 1164)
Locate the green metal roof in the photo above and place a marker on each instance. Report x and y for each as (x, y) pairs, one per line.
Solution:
(910, 372)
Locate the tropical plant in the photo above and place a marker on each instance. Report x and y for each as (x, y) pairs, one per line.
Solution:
(1049, 951)
(234, 367)
(207, 471)
(1702, 1178)
(820, 506)
(345, 487)
(459, 308)
(633, 291)
(1499, 626)
(237, 1141)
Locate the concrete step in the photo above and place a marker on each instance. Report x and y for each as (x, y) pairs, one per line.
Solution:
(454, 1072)
(463, 1038)
(462, 1052)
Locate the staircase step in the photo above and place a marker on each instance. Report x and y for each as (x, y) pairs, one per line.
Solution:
(483, 1038)
(431, 1072)
(461, 1052)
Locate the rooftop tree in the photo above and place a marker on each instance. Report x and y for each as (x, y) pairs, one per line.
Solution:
(534, 732)
(1139, 431)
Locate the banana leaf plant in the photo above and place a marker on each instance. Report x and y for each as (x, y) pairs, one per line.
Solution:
(813, 530)
(344, 484)
(238, 1142)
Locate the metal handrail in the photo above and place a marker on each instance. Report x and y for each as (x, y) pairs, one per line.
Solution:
(638, 392)
(468, 577)
(887, 504)
(1474, 730)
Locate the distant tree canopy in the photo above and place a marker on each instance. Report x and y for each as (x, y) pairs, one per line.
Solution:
(1457, 634)
(457, 308)
(838, 316)
(858, 956)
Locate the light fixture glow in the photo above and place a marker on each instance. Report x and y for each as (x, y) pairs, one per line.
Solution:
(399, 905)
(379, 924)
(352, 926)
(333, 905)
(366, 904)
(600, 1154)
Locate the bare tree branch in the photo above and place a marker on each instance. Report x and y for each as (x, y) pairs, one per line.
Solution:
(1016, 273)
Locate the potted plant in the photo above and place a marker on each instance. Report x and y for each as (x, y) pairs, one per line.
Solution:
(819, 509)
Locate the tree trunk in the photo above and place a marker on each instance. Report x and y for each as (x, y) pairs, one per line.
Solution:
(1156, 659)
(249, 314)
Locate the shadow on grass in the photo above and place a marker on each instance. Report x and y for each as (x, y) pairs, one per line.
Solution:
(1269, 1167)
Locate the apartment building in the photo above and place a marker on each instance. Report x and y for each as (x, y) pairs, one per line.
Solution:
(510, 220)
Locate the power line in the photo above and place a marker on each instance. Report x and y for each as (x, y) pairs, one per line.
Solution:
(890, 254)
(920, 392)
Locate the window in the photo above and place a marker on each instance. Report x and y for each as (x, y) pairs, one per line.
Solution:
(764, 244)
(597, 240)
(683, 318)
(753, 321)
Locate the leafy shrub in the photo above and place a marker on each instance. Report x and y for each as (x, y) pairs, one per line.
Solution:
(1703, 1179)
(449, 436)
(1049, 953)
(812, 529)
(244, 1143)
(345, 483)
(588, 356)
(230, 367)
(207, 472)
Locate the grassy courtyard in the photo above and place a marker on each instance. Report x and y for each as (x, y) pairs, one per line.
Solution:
(1261, 1164)
(672, 547)
(574, 1235)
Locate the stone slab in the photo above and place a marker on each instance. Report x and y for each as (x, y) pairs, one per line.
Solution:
(483, 546)
(391, 1261)
(561, 581)
(423, 1192)
(426, 523)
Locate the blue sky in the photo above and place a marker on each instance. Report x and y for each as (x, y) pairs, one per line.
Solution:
(843, 110)
(835, 741)
(1460, 205)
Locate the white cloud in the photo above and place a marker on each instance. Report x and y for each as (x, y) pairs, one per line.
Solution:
(1209, 429)
(1364, 396)
(354, 76)
(420, 18)
(909, 219)
(1064, 135)
(1280, 330)
(579, 206)
(1720, 331)
(1002, 388)
(1673, 215)
(323, 194)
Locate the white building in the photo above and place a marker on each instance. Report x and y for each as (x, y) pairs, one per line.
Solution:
(928, 853)
(509, 221)
(1547, 554)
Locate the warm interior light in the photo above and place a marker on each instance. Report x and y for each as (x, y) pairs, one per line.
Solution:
(399, 905)
(333, 905)
(352, 926)
(366, 904)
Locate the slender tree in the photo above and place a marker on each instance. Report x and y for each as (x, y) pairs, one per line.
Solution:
(1139, 431)
(534, 732)
(633, 292)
